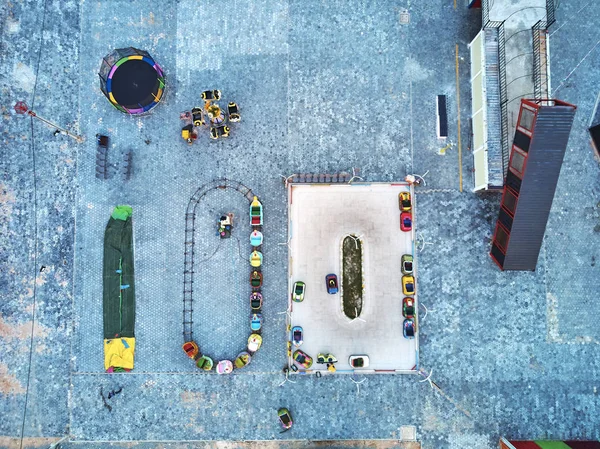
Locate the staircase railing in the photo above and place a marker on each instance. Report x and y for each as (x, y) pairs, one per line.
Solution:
(540, 69)
(503, 98)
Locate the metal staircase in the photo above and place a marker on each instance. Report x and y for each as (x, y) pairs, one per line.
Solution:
(493, 100)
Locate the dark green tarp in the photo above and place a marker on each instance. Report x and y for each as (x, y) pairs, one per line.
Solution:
(119, 292)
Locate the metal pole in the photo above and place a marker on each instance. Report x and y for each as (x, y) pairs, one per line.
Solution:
(79, 139)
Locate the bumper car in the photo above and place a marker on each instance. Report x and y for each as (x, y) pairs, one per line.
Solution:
(408, 328)
(407, 264)
(358, 361)
(405, 221)
(408, 285)
(285, 418)
(298, 293)
(331, 283)
(302, 358)
(408, 307)
(404, 201)
(326, 358)
(297, 336)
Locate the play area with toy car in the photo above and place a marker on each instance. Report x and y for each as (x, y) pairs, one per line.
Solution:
(352, 289)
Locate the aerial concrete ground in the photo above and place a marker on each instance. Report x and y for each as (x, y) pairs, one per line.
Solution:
(323, 87)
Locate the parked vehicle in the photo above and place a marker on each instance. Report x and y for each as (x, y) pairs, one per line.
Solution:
(358, 361)
(408, 285)
(404, 201)
(409, 328)
(285, 418)
(406, 221)
(331, 283)
(302, 359)
(407, 264)
(297, 336)
(298, 292)
(408, 307)
(326, 358)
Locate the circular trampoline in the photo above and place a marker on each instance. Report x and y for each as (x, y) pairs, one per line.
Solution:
(131, 80)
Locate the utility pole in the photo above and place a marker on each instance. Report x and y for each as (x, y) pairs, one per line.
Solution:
(22, 109)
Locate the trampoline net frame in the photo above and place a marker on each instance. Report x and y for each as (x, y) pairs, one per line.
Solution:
(118, 57)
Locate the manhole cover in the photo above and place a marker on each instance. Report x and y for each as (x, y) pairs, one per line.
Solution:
(404, 17)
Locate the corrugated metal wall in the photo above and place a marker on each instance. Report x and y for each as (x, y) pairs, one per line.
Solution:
(545, 157)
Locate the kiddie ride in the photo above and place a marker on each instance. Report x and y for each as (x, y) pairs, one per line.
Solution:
(224, 230)
(210, 115)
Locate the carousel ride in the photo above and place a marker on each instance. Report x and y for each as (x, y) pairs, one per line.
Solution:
(211, 116)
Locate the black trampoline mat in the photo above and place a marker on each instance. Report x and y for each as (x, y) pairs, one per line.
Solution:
(134, 82)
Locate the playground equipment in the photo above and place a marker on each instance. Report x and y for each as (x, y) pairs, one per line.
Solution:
(210, 114)
(131, 81)
(256, 259)
(205, 363)
(243, 359)
(256, 279)
(224, 367)
(256, 212)
(233, 112)
(225, 226)
(256, 238)
(118, 298)
(254, 343)
(255, 301)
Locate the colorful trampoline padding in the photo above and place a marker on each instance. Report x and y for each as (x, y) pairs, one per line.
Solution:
(118, 291)
(131, 80)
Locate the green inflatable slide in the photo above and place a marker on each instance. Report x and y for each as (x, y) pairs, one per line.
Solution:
(118, 292)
